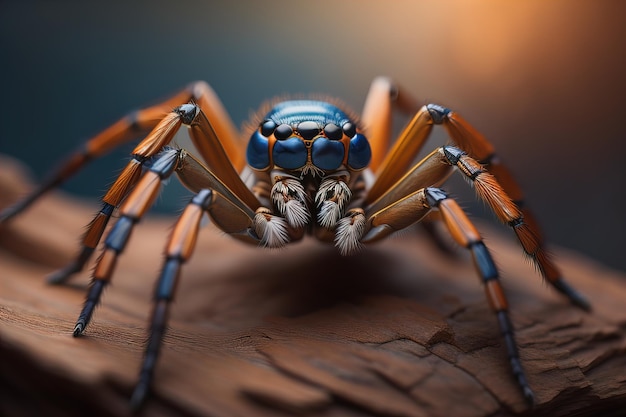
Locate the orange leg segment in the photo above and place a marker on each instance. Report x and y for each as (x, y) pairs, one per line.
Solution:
(160, 136)
(498, 187)
(215, 149)
(465, 234)
(382, 99)
(137, 124)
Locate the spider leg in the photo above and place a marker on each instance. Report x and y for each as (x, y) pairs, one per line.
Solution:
(138, 202)
(382, 99)
(499, 189)
(179, 249)
(137, 124)
(228, 211)
(128, 178)
(408, 209)
(466, 235)
(205, 135)
(490, 191)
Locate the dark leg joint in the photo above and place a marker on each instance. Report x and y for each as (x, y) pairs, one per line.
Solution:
(164, 163)
(187, 112)
(438, 113)
(453, 154)
(203, 198)
(434, 196)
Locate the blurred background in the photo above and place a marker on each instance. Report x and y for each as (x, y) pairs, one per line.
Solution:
(544, 81)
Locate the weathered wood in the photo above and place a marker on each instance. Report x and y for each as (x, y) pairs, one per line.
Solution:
(398, 330)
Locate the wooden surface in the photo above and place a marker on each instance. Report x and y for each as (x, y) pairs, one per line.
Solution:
(398, 330)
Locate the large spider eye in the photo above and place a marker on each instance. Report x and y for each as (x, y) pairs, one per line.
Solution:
(333, 132)
(349, 129)
(308, 130)
(283, 131)
(267, 128)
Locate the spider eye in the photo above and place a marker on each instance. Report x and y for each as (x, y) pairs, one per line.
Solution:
(308, 130)
(267, 128)
(333, 132)
(283, 131)
(349, 129)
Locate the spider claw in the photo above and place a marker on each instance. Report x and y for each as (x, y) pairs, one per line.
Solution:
(61, 275)
(529, 395)
(8, 213)
(574, 296)
(138, 398)
(79, 328)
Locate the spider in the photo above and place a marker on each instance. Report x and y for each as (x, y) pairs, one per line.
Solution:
(313, 168)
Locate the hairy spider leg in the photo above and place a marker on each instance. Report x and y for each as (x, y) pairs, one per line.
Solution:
(490, 191)
(411, 140)
(128, 178)
(389, 215)
(227, 210)
(192, 174)
(163, 119)
(134, 125)
(139, 201)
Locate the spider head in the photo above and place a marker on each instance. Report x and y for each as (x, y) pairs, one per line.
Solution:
(307, 136)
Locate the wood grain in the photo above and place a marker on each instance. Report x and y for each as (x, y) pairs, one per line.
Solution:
(400, 329)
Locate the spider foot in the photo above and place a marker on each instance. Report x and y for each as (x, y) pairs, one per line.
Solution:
(8, 213)
(140, 393)
(574, 296)
(93, 297)
(529, 395)
(61, 275)
(527, 392)
(79, 328)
